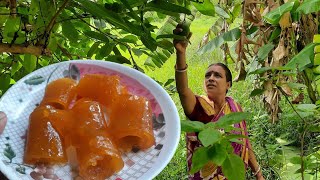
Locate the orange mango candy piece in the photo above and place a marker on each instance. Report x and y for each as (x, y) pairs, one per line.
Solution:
(97, 156)
(44, 144)
(102, 88)
(60, 93)
(131, 123)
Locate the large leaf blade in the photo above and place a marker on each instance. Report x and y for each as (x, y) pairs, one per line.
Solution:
(115, 19)
(231, 35)
(303, 58)
(232, 118)
(218, 153)
(209, 137)
(206, 7)
(191, 126)
(199, 159)
(274, 16)
(309, 6)
(233, 167)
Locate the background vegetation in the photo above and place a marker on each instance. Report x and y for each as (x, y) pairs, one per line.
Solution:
(271, 46)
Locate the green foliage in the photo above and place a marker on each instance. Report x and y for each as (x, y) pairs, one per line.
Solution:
(231, 35)
(303, 59)
(309, 6)
(206, 7)
(274, 16)
(213, 141)
(233, 167)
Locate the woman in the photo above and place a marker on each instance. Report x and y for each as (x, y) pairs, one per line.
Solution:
(209, 108)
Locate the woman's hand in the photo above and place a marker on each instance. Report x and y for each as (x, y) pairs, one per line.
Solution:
(3, 121)
(181, 45)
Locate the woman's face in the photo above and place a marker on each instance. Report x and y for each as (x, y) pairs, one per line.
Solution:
(216, 82)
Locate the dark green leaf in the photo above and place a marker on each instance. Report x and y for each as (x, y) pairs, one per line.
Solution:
(191, 126)
(256, 92)
(218, 153)
(275, 34)
(264, 51)
(35, 80)
(221, 12)
(97, 36)
(94, 48)
(169, 81)
(12, 25)
(234, 136)
(118, 59)
(295, 160)
(129, 39)
(165, 44)
(274, 16)
(233, 167)
(231, 35)
(236, 141)
(206, 8)
(70, 31)
(29, 62)
(4, 81)
(114, 18)
(106, 49)
(232, 118)
(309, 6)
(199, 159)
(315, 128)
(303, 58)
(236, 10)
(133, 14)
(15, 67)
(209, 125)
(137, 52)
(149, 42)
(209, 137)
(165, 6)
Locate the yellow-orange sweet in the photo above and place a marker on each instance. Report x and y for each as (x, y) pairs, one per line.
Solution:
(60, 93)
(97, 155)
(44, 144)
(131, 123)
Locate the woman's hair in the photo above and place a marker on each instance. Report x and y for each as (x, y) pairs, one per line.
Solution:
(226, 69)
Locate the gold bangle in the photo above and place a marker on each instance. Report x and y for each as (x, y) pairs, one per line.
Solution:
(181, 70)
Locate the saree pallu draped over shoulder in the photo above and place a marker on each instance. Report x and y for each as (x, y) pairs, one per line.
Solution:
(204, 112)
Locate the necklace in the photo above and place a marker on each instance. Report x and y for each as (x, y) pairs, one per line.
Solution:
(222, 108)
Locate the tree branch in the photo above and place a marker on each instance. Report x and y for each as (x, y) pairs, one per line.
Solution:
(52, 22)
(53, 19)
(21, 49)
(13, 7)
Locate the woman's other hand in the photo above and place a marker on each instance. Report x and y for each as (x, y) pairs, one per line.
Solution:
(3, 121)
(181, 45)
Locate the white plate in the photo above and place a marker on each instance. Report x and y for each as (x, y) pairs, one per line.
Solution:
(20, 100)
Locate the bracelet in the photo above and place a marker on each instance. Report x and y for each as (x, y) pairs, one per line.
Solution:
(181, 70)
(257, 171)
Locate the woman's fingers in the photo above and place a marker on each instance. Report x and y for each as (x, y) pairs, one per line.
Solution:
(3, 121)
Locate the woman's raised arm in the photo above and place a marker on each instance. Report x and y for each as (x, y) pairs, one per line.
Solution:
(187, 97)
